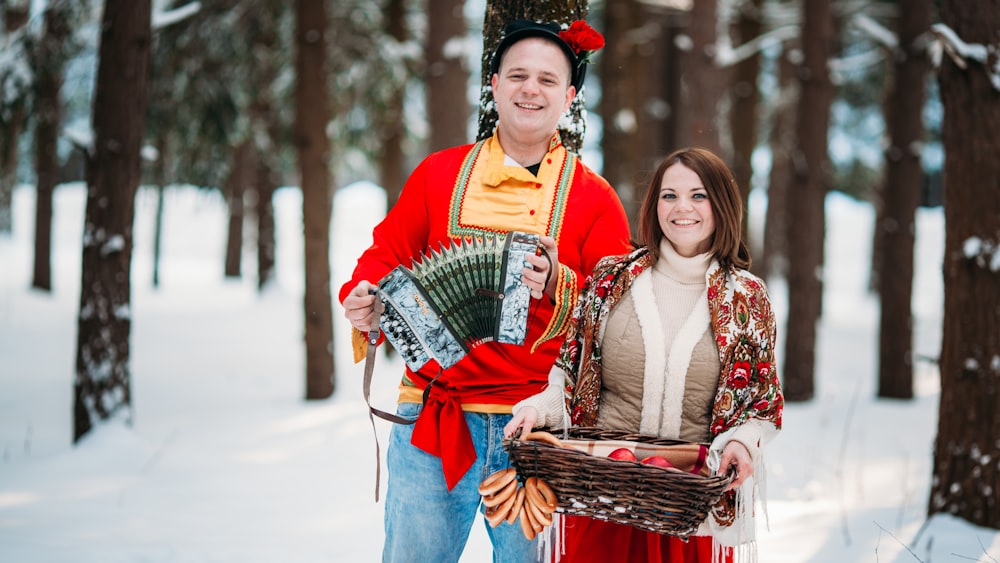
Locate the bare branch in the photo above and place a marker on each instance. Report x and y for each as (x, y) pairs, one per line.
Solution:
(906, 547)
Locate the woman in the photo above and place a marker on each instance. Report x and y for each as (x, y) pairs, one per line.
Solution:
(675, 339)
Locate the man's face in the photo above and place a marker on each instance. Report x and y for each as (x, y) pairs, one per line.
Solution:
(532, 88)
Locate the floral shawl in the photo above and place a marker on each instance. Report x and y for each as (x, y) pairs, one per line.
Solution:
(744, 327)
(741, 319)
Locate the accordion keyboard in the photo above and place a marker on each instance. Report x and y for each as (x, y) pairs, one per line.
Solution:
(456, 297)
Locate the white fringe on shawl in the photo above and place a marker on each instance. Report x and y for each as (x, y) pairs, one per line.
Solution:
(741, 536)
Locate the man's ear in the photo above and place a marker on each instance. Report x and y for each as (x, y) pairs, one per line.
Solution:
(493, 81)
(570, 94)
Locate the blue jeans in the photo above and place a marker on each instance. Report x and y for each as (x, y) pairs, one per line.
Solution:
(427, 523)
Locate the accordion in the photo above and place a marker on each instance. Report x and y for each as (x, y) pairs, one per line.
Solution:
(457, 297)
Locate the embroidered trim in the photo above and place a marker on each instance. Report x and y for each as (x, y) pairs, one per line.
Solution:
(566, 296)
(559, 198)
(476, 158)
(455, 229)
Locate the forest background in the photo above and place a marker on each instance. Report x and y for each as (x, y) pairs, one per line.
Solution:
(877, 100)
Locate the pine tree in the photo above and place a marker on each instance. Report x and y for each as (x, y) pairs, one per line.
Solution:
(103, 385)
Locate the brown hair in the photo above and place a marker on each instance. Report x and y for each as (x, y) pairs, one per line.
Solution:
(728, 246)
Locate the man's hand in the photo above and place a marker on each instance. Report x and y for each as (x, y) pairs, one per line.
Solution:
(359, 306)
(536, 276)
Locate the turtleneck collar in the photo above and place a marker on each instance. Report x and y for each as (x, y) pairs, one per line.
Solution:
(679, 268)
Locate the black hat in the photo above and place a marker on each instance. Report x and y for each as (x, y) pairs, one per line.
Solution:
(578, 53)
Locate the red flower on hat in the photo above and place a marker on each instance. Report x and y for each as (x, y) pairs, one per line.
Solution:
(581, 37)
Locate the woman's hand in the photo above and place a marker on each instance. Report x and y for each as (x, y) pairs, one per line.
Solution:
(525, 419)
(736, 455)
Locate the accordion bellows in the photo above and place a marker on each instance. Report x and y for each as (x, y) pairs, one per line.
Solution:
(456, 297)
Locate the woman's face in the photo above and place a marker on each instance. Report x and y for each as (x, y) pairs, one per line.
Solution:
(684, 212)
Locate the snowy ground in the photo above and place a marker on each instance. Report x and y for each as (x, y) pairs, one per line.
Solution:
(224, 461)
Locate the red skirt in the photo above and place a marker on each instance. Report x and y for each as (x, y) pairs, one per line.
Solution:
(587, 540)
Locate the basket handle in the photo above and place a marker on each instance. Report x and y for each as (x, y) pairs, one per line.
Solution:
(542, 436)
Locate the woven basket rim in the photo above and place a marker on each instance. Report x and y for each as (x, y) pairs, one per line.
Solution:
(625, 492)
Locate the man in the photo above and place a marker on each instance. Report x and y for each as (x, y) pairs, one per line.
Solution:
(519, 179)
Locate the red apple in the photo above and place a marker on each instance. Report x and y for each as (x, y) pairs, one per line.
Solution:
(623, 454)
(657, 460)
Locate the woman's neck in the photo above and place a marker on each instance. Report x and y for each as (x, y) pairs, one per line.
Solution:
(680, 268)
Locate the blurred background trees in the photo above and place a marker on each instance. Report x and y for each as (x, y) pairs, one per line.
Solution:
(801, 98)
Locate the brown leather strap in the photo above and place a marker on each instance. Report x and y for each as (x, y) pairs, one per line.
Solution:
(373, 336)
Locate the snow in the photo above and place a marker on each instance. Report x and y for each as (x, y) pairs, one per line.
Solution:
(959, 50)
(161, 20)
(986, 253)
(16, 75)
(224, 461)
(881, 34)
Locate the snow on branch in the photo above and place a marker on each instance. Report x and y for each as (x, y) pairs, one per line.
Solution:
(960, 52)
(986, 253)
(866, 59)
(682, 5)
(876, 31)
(81, 136)
(725, 55)
(16, 73)
(170, 17)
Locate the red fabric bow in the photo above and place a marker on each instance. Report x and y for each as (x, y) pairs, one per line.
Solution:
(442, 422)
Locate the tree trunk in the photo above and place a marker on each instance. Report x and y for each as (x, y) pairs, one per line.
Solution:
(49, 77)
(674, 133)
(624, 89)
(498, 13)
(159, 176)
(15, 17)
(774, 261)
(241, 173)
(446, 76)
(744, 99)
(265, 132)
(158, 233)
(966, 476)
(266, 236)
(312, 114)
(904, 182)
(806, 199)
(641, 68)
(8, 169)
(392, 173)
(102, 386)
(704, 79)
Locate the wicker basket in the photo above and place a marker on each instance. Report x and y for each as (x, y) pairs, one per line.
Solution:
(665, 501)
